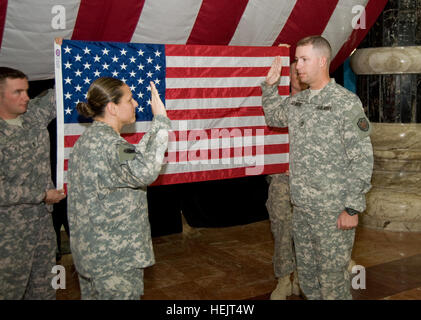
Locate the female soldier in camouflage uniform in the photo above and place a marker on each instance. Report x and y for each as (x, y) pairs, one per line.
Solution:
(108, 217)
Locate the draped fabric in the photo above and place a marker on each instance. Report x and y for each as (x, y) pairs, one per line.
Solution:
(27, 28)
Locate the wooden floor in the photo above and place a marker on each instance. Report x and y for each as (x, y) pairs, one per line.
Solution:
(235, 263)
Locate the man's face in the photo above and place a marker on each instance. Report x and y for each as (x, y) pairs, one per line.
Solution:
(308, 64)
(13, 98)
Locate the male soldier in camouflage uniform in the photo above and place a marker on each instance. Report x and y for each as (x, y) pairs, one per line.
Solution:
(107, 178)
(27, 238)
(331, 162)
(280, 215)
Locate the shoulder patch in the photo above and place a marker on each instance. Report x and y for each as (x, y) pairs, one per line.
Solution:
(362, 125)
(126, 152)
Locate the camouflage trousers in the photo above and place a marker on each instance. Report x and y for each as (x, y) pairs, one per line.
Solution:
(323, 254)
(127, 285)
(27, 255)
(280, 215)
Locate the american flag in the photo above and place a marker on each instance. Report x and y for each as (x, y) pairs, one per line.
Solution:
(212, 95)
(27, 27)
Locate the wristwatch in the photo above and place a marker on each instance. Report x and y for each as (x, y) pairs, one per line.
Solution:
(351, 211)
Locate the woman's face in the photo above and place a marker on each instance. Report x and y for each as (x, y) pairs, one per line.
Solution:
(127, 107)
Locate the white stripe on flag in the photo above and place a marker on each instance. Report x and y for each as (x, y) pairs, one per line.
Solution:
(215, 103)
(262, 22)
(228, 82)
(339, 27)
(194, 62)
(163, 21)
(28, 36)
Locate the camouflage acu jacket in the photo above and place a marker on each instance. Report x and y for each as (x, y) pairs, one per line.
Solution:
(107, 204)
(331, 156)
(25, 172)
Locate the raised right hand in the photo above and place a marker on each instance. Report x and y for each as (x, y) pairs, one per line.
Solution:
(156, 103)
(274, 72)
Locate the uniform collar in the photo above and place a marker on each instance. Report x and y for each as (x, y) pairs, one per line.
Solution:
(106, 126)
(320, 96)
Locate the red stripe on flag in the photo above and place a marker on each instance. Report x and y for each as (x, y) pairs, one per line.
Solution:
(215, 174)
(218, 72)
(3, 12)
(70, 140)
(308, 18)
(223, 51)
(195, 93)
(110, 20)
(215, 113)
(372, 11)
(217, 21)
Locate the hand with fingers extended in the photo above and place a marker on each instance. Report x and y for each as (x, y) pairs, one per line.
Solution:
(274, 72)
(157, 105)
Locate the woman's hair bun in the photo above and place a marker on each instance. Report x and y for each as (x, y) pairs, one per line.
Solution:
(85, 110)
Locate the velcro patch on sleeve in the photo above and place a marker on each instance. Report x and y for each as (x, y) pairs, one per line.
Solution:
(126, 152)
(362, 125)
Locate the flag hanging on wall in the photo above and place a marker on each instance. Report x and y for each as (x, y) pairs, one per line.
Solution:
(27, 28)
(212, 95)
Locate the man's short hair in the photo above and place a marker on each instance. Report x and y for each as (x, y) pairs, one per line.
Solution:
(6, 72)
(318, 43)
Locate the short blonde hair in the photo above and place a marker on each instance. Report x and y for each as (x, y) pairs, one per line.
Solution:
(319, 43)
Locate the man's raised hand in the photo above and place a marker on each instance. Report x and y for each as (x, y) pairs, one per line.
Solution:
(274, 72)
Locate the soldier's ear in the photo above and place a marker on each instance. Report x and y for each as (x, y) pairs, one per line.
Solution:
(322, 61)
(112, 108)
